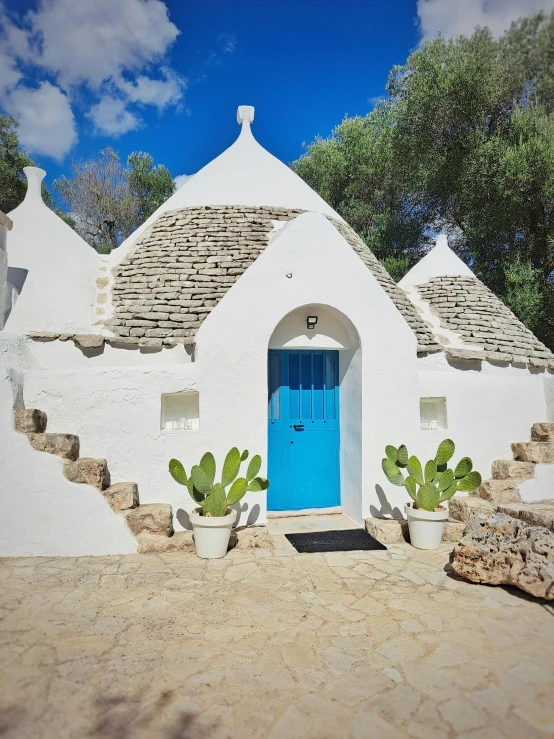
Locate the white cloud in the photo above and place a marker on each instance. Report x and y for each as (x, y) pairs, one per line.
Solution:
(148, 91)
(455, 17)
(111, 117)
(115, 49)
(46, 122)
(181, 179)
(92, 41)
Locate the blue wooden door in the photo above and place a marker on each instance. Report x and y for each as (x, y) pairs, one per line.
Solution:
(304, 430)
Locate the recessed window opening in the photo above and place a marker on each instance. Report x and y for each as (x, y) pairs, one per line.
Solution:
(180, 412)
(432, 414)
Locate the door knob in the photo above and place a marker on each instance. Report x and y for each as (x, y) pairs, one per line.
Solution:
(299, 427)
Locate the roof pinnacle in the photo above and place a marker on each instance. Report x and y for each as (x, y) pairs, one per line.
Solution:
(245, 115)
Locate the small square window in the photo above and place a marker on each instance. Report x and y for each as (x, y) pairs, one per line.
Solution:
(432, 413)
(180, 412)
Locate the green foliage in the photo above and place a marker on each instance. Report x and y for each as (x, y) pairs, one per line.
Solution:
(212, 496)
(464, 142)
(436, 482)
(109, 199)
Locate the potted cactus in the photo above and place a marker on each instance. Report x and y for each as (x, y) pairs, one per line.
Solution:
(428, 487)
(213, 520)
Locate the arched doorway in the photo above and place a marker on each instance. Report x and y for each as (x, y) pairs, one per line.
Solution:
(314, 411)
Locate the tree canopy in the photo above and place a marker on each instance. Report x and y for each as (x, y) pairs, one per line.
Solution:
(463, 143)
(109, 200)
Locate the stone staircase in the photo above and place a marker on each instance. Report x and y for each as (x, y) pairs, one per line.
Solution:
(507, 474)
(151, 524)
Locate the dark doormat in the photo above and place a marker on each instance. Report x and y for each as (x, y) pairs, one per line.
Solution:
(342, 540)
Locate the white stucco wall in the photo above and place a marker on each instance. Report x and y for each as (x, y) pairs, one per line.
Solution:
(488, 407)
(42, 512)
(59, 291)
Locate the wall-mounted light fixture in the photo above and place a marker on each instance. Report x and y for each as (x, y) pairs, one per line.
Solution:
(311, 321)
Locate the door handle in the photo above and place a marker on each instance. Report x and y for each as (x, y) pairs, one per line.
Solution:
(299, 427)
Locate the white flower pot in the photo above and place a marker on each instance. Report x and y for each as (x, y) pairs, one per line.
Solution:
(426, 527)
(212, 533)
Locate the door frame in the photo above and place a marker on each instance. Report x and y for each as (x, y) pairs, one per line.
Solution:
(282, 447)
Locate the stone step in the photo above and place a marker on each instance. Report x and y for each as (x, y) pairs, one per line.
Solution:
(539, 452)
(122, 496)
(181, 541)
(539, 513)
(396, 530)
(505, 469)
(29, 421)
(153, 518)
(499, 491)
(63, 445)
(462, 508)
(88, 471)
(542, 432)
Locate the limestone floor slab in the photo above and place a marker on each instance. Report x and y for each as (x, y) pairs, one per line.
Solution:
(269, 643)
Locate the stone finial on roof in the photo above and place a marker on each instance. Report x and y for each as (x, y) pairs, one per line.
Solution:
(245, 115)
(34, 175)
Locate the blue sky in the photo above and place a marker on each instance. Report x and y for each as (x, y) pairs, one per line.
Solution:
(167, 77)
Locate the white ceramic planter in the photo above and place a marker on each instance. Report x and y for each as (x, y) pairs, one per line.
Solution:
(212, 533)
(426, 527)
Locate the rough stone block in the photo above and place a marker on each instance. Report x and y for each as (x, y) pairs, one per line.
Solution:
(539, 513)
(122, 496)
(388, 530)
(88, 341)
(497, 549)
(453, 531)
(154, 518)
(462, 508)
(87, 471)
(504, 469)
(542, 432)
(63, 445)
(29, 420)
(539, 452)
(181, 541)
(499, 491)
(250, 537)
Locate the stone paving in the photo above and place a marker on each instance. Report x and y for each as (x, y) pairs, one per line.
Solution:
(269, 643)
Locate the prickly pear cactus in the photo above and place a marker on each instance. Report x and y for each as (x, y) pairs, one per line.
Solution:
(213, 496)
(435, 483)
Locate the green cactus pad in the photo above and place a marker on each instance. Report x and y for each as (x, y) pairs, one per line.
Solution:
(200, 480)
(469, 482)
(449, 492)
(258, 484)
(392, 453)
(430, 471)
(402, 455)
(216, 503)
(244, 455)
(445, 480)
(194, 493)
(415, 470)
(237, 491)
(208, 465)
(445, 452)
(410, 484)
(392, 472)
(253, 467)
(177, 472)
(463, 468)
(427, 497)
(230, 467)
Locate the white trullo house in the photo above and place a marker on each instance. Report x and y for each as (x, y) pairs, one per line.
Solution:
(244, 312)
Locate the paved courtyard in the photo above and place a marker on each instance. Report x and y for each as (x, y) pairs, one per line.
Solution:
(269, 644)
